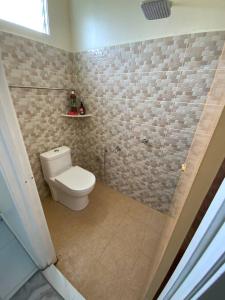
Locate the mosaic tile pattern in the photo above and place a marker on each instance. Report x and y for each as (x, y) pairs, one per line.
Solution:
(43, 128)
(30, 63)
(194, 86)
(147, 98)
(213, 108)
(204, 50)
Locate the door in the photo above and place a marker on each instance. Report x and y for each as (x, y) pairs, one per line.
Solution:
(20, 205)
(204, 260)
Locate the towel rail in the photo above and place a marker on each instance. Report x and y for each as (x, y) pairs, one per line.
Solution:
(38, 87)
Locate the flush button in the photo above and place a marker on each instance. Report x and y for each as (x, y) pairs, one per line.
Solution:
(56, 150)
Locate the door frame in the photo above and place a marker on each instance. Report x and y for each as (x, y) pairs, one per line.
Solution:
(204, 259)
(201, 212)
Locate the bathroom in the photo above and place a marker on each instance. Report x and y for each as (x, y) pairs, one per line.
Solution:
(153, 99)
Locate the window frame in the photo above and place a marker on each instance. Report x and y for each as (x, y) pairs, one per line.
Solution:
(45, 28)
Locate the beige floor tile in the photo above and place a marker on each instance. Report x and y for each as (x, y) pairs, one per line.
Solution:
(129, 293)
(140, 274)
(131, 231)
(75, 267)
(109, 198)
(143, 213)
(150, 243)
(120, 256)
(101, 284)
(107, 250)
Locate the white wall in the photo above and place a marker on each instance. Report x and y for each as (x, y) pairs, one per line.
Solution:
(59, 22)
(98, 23)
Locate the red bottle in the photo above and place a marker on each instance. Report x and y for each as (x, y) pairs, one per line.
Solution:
(82, 110)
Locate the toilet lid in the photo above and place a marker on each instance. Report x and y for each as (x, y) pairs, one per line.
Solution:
(76, 179)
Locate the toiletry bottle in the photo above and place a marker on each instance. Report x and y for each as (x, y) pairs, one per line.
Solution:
(82, 109)
(73, 105)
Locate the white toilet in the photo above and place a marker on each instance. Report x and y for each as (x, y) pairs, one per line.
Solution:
(69, 185)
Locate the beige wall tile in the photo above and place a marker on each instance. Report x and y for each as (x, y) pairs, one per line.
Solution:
(217, 92)
(151, 92)
(147, 98)
(209, 119)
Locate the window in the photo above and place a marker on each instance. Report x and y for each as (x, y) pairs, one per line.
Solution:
(32, 14)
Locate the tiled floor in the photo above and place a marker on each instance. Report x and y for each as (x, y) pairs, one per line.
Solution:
(37, 288)
(107, 251)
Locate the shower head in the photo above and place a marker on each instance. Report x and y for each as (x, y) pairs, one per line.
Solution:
(156, 9)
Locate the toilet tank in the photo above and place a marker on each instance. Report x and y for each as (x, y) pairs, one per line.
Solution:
(55, 161)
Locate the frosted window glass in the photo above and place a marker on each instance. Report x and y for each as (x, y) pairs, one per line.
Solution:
(32, 14)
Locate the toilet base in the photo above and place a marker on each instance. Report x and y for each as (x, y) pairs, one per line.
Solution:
(74, 203)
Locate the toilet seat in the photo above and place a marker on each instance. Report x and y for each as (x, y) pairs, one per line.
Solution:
(76, 179)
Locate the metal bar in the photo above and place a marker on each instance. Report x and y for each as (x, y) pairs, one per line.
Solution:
(38, 88)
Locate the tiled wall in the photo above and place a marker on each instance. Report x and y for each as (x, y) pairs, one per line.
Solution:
(213, 108)
(147, 99)
(29, 63)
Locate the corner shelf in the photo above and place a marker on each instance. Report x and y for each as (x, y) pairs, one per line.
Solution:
(76, 116)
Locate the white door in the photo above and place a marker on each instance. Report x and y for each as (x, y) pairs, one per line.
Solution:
(204, 260)
(20, 205)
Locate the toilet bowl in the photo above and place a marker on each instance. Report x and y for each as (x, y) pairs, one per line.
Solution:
(70, 185)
